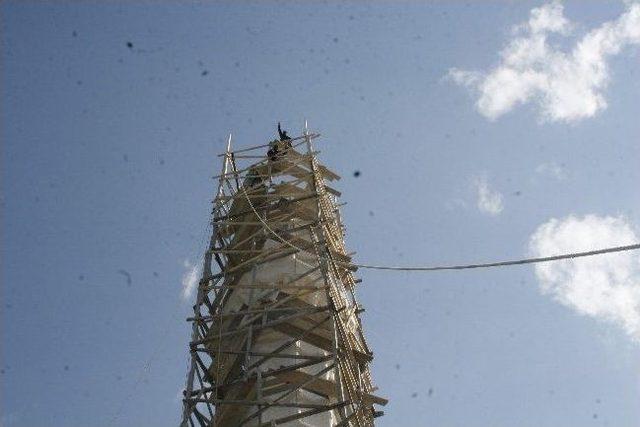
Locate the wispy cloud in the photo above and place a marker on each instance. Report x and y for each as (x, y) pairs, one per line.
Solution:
(490, 201)
(553, 170)
(566, 86)
(189, 279)
(605, 287)
(8, 419)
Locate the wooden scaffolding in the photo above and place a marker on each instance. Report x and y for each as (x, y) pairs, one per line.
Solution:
(276, 333)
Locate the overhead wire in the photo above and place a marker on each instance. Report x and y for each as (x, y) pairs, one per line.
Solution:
(506, 263)
(534, 260)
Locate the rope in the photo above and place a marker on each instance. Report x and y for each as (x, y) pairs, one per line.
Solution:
(573, 255)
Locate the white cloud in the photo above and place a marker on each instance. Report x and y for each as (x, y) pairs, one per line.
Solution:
(189, 279)
(553, 170)
(490, 201)
(605, 287)
(566, 86)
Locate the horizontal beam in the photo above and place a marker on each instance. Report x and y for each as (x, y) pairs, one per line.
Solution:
(255, 147)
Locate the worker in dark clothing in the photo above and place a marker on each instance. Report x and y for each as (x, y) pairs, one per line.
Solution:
(277, 148)
(273, 150)
(283, 134)
(284, 137)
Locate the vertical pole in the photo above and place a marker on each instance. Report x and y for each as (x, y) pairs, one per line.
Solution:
(306, 137)
(259, 394)
(206, 274)
(250, 332)
(324, 269)
(220, 307)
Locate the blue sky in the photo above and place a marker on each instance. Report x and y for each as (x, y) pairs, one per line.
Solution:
(108, 149)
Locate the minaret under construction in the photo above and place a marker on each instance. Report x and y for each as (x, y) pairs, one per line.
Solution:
(277, 338)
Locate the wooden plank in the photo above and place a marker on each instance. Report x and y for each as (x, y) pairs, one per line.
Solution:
(372, 398)
(304, 414)
(318, 386)
(332, 191)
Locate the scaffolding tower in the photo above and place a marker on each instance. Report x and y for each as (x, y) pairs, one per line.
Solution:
(276, 333)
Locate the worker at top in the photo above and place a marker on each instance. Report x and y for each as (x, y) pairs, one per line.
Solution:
(282, 133)
(273, 150)
(279, 148)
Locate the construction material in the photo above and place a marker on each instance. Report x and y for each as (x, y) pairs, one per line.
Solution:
(276, 333)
